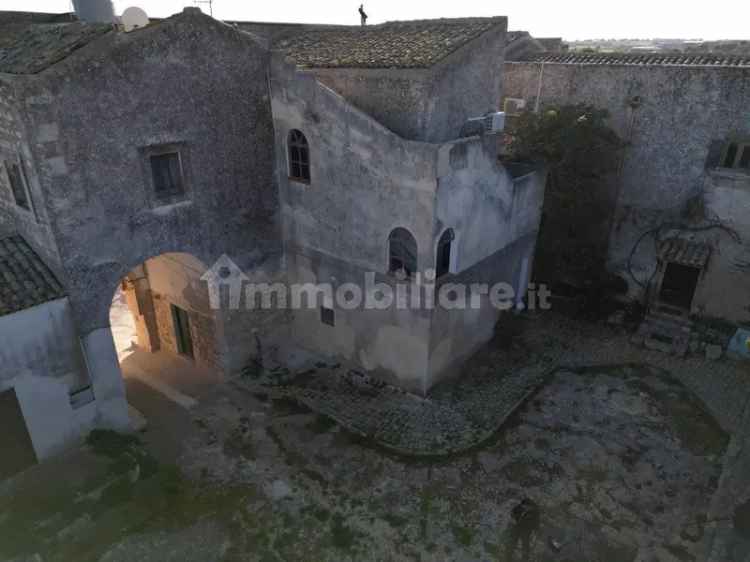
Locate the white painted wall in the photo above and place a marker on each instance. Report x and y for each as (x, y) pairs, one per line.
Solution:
(42, 341)
(41, 358)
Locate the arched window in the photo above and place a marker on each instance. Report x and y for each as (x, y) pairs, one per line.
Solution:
(443, 262)
(299, 156)
(402, 252)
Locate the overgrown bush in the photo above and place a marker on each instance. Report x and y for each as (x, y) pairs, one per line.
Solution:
(582, 155)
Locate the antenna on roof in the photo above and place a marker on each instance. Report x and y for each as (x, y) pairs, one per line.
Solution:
(210, 5)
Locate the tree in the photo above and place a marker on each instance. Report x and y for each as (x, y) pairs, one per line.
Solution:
(582, 155)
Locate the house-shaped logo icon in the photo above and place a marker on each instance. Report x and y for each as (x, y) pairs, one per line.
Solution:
(225, 273)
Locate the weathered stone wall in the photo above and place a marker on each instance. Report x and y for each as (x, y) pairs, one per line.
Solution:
(477, 197)
(16, 146)
(724, 290)
(366, 181)
(396, 98)
(189, 81)
(468, 83)
(175, 279)
(684, 114)
(432, 104)
(495, 219)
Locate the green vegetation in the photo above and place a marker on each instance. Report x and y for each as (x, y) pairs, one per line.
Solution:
(463, 535)
(582, 155)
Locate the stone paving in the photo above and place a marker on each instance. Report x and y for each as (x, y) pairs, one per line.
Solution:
(621, 464)
(458, 416)
(621, 461)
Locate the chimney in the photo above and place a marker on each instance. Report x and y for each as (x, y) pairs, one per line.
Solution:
(95, 11)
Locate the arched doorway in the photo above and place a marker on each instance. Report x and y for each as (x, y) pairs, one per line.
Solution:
(166, 334)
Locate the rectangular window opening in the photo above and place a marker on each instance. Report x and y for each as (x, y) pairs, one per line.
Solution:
(327, 316)
(184, 339)
(737, 156)
(166, 170)
(17, 185)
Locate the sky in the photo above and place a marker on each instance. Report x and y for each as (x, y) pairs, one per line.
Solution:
(570, 19)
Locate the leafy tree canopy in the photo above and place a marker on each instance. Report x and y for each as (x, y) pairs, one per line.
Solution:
(574, 141)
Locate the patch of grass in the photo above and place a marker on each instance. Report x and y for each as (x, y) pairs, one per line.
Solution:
(395, 521)
(463, 535)
(112, 444)
(126, 452)
(321, 424)
(318, 512)
(342, 536)
(287, 407)
(680, 552)
(240, 444)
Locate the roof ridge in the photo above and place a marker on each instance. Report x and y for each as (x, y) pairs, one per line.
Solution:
(715, 60)
(445, 20)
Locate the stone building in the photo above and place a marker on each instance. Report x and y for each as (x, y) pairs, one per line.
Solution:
(680, 230)
(295, 154)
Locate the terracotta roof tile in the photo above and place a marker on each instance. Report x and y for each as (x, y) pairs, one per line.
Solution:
(643, 59)
(685, 252)
(25, 280)
(406, 44)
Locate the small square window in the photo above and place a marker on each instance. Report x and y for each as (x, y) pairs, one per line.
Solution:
(18, 185)
(737, 156)
(327, 316)
(166, 170)
(730, 156)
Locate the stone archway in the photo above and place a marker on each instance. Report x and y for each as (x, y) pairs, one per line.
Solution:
(164, 327)
(91, 289)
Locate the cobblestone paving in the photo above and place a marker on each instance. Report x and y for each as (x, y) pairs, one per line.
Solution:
(461, 414)
(622, 463)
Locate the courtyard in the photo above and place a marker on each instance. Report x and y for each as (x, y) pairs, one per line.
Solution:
(610, 446)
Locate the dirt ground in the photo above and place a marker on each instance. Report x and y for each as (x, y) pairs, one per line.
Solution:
(618, 465)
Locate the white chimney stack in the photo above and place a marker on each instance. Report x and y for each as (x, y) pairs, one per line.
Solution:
(95, 11)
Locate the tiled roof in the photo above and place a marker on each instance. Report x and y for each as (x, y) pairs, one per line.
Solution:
(28, 47)
(25, 280)
(677, 250)
(406, 44)
(643, 59)
(512, 36)
(7, 17)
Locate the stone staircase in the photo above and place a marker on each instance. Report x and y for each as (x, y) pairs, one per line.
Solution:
(666, 329)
